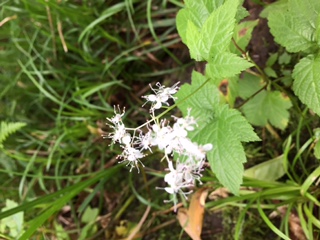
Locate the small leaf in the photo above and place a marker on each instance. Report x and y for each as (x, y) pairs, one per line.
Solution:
(90, 215)
(224, 65)
(306, 84)
(266, 107)
(272, 59)
(241, 13)
(284, 58)
(14, 222)
(242, 35)
(270, 72)
(270, 170)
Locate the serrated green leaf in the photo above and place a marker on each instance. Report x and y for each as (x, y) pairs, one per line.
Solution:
(182, 23)
(289, 30)
(199, 11)
(217, 30)
(306, 84)
(225, 132)
(305, 14)
(201, 104)
(242, 35)
(241, 13)
(224, 65)
(267, 107)
(193, 40)
(224, 128)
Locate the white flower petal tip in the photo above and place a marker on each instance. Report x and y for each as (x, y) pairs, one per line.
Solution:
(207, 147)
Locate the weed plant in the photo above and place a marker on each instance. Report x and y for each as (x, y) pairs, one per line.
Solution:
(65, 64)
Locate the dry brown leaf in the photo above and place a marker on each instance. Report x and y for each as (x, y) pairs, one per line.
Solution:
(191, 220)
(219, 193)
(295, 227)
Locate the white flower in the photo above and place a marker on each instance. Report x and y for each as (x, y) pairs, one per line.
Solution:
(162, 137)
(145, 140)
(157, 100)
(119, 133)
(161, 95)
(119, 129)
(175, 180)
(188, 122)
(126, 139)
(117, 118)
(132, 156)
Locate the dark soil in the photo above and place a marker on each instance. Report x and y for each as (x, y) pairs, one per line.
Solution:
(262, 42)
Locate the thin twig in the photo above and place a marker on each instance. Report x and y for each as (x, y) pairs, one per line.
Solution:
(138, 227)
(64, 45)
(7, 19)
(52, 32)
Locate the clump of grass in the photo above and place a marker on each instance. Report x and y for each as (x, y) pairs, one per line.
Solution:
(64, 64)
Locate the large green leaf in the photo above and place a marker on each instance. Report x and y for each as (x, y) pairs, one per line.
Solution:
(264, 107)
(195, 97)
(270, 170)
(305, 14)
(219, 125)
(306, 83)
(206, 27)
(199, 11)
(217, 31)
(290, 30)
(182, 23)
(224, 65)
(193, 37)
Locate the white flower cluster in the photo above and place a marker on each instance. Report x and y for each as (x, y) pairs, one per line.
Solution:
(172, 140)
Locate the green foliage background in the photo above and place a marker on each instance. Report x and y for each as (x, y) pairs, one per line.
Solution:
(64, 64)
